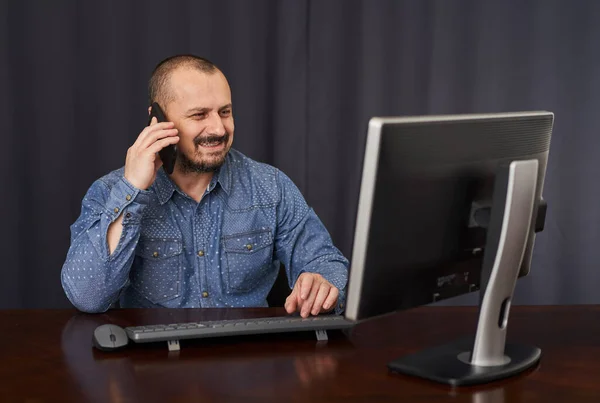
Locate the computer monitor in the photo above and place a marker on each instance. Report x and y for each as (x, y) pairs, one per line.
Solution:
(450, 205)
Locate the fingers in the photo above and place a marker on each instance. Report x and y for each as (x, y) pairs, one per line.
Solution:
(307, 305)
(158, 126)
(162, 143)
(331, 299)
(151, 129)
(156, 135)
(141, 162)
(321, 295)
(312, 294)
(291, 302)
(306, 282)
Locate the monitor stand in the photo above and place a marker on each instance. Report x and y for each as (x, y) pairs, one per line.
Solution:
(487, 357)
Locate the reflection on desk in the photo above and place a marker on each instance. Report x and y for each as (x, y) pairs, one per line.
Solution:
(116, 376)
(48, 356)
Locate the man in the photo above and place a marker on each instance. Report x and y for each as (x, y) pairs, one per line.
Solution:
(211, 233)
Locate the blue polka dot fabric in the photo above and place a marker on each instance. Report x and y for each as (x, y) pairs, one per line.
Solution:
(224, 251)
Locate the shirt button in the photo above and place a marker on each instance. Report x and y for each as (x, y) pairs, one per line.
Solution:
(200, 253)
(128, 197)
(155, 254)
(341, 306)
(128, 215)
(249, 247)
(204, 294)
(116, 210)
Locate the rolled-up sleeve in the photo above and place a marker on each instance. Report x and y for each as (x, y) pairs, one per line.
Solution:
(91, 276)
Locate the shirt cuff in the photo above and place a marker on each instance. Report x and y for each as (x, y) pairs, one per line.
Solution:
(341, 303)
(334, 272)
(128, 200)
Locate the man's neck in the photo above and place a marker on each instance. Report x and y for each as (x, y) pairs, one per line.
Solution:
(193, 184)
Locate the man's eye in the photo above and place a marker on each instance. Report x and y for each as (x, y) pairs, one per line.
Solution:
(226, 113)
(199, 115)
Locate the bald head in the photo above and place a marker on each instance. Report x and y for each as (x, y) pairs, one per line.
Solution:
(158, 87)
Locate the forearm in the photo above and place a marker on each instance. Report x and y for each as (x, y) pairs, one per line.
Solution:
(93, 280)
(304, 245)
(311, 251)
(103, 249)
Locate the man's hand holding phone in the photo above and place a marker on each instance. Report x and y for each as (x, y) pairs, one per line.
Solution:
(142, 160)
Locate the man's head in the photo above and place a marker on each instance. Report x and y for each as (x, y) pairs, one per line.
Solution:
(195, 95)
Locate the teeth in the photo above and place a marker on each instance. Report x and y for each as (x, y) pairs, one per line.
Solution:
(211, 144)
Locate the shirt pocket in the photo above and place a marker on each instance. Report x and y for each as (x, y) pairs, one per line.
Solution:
(156, 273)
(248, 258)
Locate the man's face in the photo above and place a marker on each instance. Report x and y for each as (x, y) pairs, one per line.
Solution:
(202, 112)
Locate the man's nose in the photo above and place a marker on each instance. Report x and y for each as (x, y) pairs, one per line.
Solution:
(215, 125)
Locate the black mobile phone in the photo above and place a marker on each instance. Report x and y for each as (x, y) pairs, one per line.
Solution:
(169, 153)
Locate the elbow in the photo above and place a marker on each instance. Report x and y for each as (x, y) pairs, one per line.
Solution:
(88, 302)
(90, 306)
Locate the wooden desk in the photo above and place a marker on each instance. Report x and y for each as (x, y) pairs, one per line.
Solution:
(47, 355)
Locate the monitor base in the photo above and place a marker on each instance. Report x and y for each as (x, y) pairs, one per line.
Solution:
(446, 364)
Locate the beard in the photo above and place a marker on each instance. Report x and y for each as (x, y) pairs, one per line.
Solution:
(202, 162)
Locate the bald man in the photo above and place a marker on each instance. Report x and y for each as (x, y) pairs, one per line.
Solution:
(212, 233)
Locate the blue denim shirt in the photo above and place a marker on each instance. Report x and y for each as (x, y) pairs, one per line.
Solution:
(176, 252)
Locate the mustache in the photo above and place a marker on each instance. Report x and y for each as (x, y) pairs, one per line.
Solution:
(198, 140)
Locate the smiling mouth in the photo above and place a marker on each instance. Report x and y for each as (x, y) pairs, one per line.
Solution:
(212, 142)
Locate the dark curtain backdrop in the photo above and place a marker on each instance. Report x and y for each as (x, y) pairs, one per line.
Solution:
(306, 76)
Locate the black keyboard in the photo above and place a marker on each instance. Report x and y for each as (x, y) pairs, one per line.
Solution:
(218, 328)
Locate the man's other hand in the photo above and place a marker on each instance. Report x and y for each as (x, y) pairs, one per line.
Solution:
(312, 294)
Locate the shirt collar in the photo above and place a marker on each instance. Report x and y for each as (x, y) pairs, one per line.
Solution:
(223, 175)
(165, 187)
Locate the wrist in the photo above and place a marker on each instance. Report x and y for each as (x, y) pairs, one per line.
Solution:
(135, 184)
